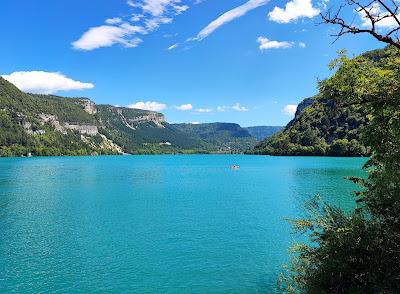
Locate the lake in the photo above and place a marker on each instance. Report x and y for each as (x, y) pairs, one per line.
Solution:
(157, 224)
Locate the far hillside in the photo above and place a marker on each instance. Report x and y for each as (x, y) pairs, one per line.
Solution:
(322, 127)
(263, 132)
(220, 137)
(43, 125)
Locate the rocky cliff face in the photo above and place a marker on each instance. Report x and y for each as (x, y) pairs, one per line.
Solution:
(303, 105)
(91, 130)
(55, 125)
(88, 105)
(132, 118)
(157, 118)
(83, 129)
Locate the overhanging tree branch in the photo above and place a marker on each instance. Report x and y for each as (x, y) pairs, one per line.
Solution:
(375, 12)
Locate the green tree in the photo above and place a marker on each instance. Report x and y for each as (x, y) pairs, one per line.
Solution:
(359, 251)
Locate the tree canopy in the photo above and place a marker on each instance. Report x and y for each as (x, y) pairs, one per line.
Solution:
(358, 252)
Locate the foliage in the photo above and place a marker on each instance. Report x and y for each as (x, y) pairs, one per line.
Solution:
(23, 130)
(321, 128)
(223, 137)
(18, 108)
(31, 104)
(358, 252)
(326, 124)
(145, 137)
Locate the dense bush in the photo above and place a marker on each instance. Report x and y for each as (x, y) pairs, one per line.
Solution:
(322, 128)
(358, 252)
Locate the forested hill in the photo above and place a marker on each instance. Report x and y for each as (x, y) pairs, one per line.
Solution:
(321, 127)
(38, 125)
(52, 125)
(221, 137)
(263, 132)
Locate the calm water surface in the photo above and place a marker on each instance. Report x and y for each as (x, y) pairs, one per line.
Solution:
(156, 224)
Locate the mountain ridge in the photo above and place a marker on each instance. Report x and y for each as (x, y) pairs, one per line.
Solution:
(263, 132)
(35, 124)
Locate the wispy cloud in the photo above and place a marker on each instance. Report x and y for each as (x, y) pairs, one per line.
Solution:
(228, 17)
(235, 107)
(184, 107)
(302, 45)
(293, 11)
(113, 21)
(148, 105)
(238, 107)
(172, 46)
(42, 82)
(265, 44)
(158, 7)
(222, 108)
(108, 35)
(204, 110)
(146, 16)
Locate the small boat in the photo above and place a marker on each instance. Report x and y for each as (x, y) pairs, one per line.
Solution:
(234, 167)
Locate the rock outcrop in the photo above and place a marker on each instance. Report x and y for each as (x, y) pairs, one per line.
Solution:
(83, 129)
(303, 105)
(91, 130)
(157, 118)
(88, 105)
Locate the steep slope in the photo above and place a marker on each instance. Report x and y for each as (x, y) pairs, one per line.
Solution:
(51, 125)
(140, 131)
(46, 125)
(263, 132)
(321, 128)
(220, 137)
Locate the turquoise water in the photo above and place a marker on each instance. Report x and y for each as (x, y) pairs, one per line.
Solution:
(156, 224)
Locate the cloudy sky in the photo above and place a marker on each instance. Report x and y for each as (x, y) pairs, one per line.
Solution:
(244, 61)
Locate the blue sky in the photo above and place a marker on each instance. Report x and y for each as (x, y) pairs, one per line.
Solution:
(179, 57)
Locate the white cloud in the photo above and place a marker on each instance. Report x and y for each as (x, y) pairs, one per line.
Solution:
(42, 82)
(228, 17)
(158, 7)
(147, 16)
(107, 35)
(293, 10)
(152, 24)
(236, 107)
(195, 123)
(204, 110)
(239, 107)
(302, 45)
(290, 109)
(185, 107)
(222, 108)
(181, 8)
(136, 17)
(172, 47)
(375, 10)
(113, 21)
(149, 105)
(266, 44)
